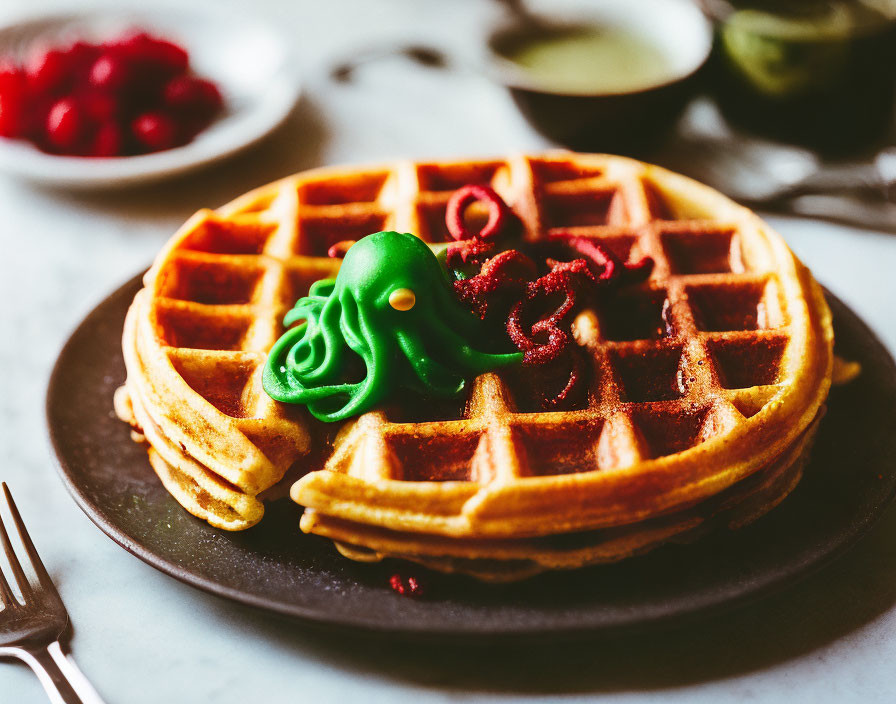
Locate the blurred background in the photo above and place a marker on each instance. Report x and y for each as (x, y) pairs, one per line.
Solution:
(786, 105)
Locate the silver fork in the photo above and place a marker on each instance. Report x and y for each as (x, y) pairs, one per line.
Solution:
(31, 626)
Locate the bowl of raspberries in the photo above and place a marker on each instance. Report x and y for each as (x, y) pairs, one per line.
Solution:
(114, 98)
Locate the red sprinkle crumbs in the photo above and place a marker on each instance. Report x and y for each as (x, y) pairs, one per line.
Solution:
(508, 284)
(468, 252)
(406, 586)
(506, 273)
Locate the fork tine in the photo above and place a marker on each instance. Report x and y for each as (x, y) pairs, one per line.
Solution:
(30, 550)
(6, 595)
(14, 563)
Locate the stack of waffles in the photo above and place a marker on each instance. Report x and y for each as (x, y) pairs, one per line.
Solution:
(707, 381)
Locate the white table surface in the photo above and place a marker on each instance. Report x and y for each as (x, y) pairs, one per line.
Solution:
(144, 638)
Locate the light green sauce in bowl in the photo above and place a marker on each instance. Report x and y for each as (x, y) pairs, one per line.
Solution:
(593, 60)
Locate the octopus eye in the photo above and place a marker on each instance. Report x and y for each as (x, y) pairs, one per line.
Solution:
(402, 299)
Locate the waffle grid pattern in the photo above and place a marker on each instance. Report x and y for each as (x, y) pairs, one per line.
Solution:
(684, 343)
(691, 354)
(669, 367)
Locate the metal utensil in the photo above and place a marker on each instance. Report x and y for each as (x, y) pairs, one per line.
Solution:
(760, 174)
(344, 70)
(32, 623)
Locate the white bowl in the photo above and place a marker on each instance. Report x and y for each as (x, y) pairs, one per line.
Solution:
(250, 62)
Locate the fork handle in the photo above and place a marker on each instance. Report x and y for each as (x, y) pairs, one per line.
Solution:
(60, 677)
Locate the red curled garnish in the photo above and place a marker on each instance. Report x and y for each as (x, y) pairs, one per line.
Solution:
(468, 252)
(565, 277)
(406, 586)
(509, 282)
(573, 382)
(338, 250)
(604, 264)
(507, 273)
(463, 198)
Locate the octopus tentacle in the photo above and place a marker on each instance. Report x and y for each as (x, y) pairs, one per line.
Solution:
(278, 380)
(312, 394)
(459, 352)
(293, 389)
(426, 346)
(366, 393)
(310, 306)
(350, 326)
(435, 376)
(306, 355)
(334, 346)
(322, 288)
(454, 317)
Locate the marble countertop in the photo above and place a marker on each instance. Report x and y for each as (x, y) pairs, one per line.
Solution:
(144, 638)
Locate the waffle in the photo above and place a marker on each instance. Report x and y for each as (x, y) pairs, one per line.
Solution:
(194, 341)
(704, 379)
(498, 560)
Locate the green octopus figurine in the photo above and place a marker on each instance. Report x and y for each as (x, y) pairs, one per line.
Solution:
(392, 306)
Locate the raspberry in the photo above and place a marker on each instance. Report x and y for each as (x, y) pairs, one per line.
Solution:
(36, 120)
(65, 124)
(167, 56)
(48, 72)
(156, 58)
(126, 95)
(107, 141)
(192, 97)
(80, 57)
(155, 131)
(10, 117)
(109, 72)
(13, 99)
(99, 107)
(11, 75)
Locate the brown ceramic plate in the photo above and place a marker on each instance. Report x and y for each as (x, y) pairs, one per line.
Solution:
(274, 566)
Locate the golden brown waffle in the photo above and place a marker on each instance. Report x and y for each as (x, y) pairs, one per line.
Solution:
(701, 376)
(194, 341)
(705, 375)
(504, 559)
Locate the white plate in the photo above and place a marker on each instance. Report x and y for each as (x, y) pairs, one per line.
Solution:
(250, 62)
